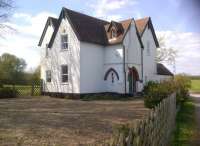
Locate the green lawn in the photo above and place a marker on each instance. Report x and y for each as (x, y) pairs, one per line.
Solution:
(23, 90)
(185, 124)
(195, 86)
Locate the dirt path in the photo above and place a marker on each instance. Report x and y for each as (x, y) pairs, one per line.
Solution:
(196, 139)
(39, 121)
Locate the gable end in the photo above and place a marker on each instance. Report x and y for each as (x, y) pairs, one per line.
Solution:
(50, 21)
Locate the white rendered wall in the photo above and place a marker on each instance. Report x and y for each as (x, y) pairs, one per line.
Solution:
(58, 57)
(44, 61)
(161, 78)
(91, 68)
(133, 55)
(114, 59)
(149, 61)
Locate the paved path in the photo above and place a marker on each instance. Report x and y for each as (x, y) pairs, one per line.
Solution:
(196, 140)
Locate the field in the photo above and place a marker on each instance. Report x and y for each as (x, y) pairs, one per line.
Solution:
(195, 85)
(42, 121)
(25, 90)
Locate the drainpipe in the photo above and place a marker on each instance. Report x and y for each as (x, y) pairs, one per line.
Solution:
(124, 67)
(142, 64)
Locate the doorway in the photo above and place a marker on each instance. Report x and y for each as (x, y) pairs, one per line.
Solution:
(133, 77)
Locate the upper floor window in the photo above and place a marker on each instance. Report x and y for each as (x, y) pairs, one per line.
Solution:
(47, 50)
(64, 41)
(48, 76)
(64, 73)
(148, 48)
(113, 33)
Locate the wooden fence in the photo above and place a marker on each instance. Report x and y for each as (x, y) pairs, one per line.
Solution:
(154, 130)
(33, 89)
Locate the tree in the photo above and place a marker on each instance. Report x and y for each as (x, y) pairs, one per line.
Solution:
(11, 69)
(5, 8)
(164, 53)
(36, 74)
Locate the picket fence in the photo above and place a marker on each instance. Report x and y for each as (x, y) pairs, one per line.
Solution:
(154, 130)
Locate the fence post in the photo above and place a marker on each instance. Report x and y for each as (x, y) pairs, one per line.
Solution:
(41, 87)
(32, 89)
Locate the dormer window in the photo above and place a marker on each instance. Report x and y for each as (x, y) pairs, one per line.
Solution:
(113, 33)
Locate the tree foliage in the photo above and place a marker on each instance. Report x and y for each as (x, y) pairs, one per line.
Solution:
(11, 69)
(164, 53)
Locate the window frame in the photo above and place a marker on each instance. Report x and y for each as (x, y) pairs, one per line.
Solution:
(113, 33)
(112, 77)
(148, 49)
(47, 50)
(65, 74)
(63, 43)
(48, 76)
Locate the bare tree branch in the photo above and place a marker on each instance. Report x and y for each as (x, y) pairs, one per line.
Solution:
(6, 7)
(164, 53)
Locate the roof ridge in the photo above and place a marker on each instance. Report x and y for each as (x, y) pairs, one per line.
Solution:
(50, 17)
(85, 15)
(147, 17)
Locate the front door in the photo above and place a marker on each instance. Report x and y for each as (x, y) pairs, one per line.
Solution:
(132, 78)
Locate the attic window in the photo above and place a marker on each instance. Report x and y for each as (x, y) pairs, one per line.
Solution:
(113, 33)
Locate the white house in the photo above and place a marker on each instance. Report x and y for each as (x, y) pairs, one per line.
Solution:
(82, 54)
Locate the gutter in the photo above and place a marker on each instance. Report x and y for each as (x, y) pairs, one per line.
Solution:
(142, 64)
(124, 68)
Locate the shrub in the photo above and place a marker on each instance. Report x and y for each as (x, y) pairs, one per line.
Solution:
(155, 92)
(183, 84)
(7, 92)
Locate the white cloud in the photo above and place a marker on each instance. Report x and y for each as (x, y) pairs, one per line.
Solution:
(187, 45)
(103, 8)
(23, 43)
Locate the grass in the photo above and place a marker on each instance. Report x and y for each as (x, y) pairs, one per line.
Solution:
(49, 121)
(195, 87)
(24, 90)
(185, 124)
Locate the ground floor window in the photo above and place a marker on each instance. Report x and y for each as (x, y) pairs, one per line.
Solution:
(48, 76)
(64, 73)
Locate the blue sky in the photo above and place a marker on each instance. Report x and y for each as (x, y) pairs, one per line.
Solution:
(178, 20)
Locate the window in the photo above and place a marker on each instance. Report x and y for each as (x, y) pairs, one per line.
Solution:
(47, 50)
(148, 49)
(113, 34)
(64, 41)
(48, 76)
(112, 76)
(64, 73)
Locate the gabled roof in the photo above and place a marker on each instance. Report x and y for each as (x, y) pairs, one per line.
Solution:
(50, 21)
(94, 30)
(86, 28)
(162, 70)
(142, 24)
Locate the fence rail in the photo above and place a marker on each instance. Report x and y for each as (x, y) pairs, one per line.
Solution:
(154, 130)
(33, 89)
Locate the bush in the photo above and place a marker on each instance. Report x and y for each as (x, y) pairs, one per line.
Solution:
(7, 92)
(183, 84)
(155, 92)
